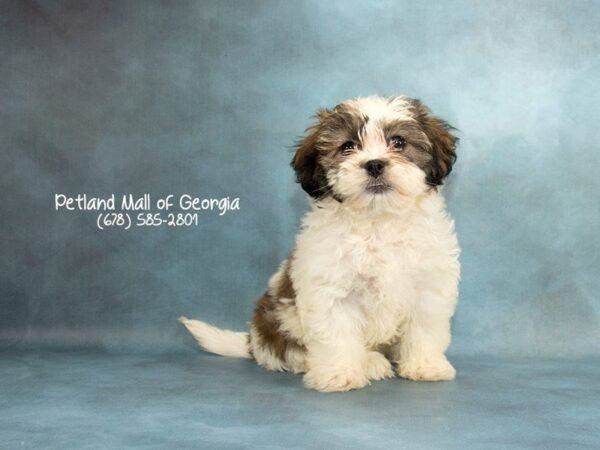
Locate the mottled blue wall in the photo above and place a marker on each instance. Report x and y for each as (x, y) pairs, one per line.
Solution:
(206, 97)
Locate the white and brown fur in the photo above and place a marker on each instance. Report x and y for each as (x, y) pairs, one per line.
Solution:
(372, 282)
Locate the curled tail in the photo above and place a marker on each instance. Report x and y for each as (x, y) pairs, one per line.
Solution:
(216, 340)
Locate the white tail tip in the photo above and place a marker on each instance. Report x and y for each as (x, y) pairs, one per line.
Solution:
(216, 340)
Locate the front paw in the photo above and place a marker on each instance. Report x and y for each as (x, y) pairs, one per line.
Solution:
(436, 369)
(378, 367)
(328, 379)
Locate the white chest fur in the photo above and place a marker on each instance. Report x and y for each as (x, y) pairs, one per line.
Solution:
(374, 267)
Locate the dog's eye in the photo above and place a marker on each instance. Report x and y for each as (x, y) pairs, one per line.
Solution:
(347, 147)
(398, 142)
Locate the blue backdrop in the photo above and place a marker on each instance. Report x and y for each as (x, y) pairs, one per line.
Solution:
(207, 97)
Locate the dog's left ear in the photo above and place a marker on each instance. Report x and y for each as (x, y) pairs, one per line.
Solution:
(443, 143)
(309, 171)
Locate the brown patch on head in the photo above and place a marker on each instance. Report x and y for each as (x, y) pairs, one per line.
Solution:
(443, 143)
(418, 147)
(344, 123)
(318, 151)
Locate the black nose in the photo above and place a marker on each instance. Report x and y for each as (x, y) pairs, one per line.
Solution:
(375, 167)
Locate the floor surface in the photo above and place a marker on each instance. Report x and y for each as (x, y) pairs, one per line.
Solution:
(95, 400)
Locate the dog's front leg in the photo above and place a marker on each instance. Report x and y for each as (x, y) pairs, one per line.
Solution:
(337, 359)
(419, 353)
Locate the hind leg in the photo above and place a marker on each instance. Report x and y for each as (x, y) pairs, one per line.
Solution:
(267, 354)
(275, 333)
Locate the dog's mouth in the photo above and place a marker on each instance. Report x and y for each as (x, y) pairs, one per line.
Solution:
(378, 186)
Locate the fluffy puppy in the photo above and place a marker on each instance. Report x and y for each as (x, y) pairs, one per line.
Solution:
(372, 282)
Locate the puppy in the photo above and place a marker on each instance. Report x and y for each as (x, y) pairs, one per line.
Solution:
(372, 282)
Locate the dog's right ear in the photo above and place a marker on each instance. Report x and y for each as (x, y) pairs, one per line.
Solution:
(309, 171)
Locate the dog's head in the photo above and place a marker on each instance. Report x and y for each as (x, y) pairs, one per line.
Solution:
(374, 149)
